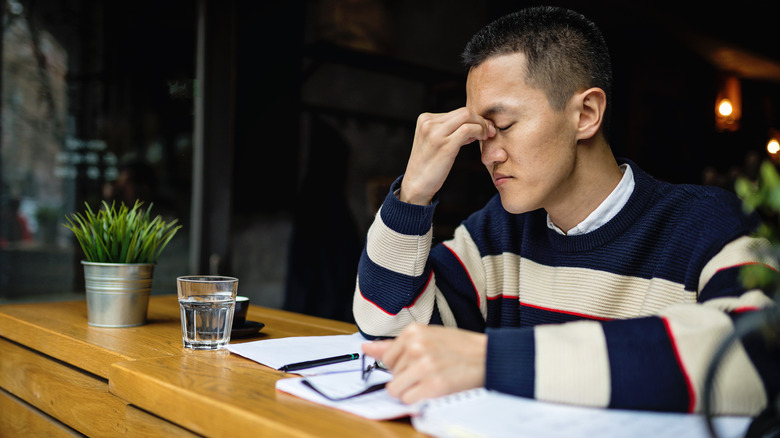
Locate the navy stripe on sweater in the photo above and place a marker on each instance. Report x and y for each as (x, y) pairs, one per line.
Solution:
(454, 282)
(685, 223)
(725, 283)
(508, 312)
(387, 289)
(516, 372)
(764, 354)
(665, 232)
(643, 366)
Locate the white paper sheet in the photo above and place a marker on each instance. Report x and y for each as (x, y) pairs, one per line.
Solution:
(276, 353)
(378, 405)
(483, 413)
(472, 413)
(347, 384)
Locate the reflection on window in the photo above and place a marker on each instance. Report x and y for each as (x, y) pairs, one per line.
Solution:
(33, 127)
(96, 105)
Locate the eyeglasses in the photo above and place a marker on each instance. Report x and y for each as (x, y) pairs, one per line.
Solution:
(366, 388)
(377, 365)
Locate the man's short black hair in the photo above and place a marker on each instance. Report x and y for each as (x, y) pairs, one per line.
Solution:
(565, 52)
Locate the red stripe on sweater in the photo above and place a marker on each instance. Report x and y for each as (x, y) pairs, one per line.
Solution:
(405, 307)
(739, 265)
(688, 383)
(547, 309)
(479, 301)
(744, 309)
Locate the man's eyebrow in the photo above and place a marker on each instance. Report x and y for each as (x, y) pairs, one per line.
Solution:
(493, 110)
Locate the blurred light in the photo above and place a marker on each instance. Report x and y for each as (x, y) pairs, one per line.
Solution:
(773, 146)
(728, 104)
(724, 108)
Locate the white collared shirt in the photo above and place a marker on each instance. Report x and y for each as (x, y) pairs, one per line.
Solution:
(606, 210)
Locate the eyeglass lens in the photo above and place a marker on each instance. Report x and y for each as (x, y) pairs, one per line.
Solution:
(371, 367)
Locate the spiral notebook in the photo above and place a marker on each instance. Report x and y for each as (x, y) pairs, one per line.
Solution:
(484, 413)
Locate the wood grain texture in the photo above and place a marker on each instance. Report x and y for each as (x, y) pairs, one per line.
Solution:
(19, 419)
(61, 330)
(224, 395)
(142, 424)
(77, 399)
(140, 381)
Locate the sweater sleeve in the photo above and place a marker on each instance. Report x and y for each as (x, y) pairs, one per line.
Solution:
(393, 273)
(402, 280)
(657, 362)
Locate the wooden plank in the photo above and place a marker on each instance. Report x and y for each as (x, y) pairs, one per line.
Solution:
(282, 324)
(61, 331)
(278, 323)
(18, 418)
(80, 400)
(299, 322)
(145, 425)
(225, 395)
(175, 391)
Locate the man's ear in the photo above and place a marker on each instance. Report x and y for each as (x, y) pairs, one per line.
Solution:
(592, 103)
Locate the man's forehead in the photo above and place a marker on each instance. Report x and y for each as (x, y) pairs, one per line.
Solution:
(490, 109)
(488, 100)
(486, 103)
(488, 83)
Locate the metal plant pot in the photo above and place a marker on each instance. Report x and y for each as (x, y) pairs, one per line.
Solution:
(117, 293)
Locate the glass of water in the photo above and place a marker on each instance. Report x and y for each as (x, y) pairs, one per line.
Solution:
(207, 303)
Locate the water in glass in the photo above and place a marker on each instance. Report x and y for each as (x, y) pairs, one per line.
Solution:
(206, 321)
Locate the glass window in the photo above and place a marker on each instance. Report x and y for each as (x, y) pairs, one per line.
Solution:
(96, 105)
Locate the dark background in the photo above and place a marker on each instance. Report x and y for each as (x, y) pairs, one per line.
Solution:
(308, 113)
(664, 93)
(326, 110)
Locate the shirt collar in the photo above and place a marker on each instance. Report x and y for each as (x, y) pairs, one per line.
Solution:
(606, 210)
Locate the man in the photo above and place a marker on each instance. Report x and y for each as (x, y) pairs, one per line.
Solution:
(585, 280)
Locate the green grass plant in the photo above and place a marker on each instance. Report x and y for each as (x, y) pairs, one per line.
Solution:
(763, 197)
(123, 235)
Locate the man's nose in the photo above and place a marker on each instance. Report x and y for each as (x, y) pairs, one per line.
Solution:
(492, 151)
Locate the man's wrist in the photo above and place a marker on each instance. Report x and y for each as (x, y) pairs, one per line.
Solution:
(407, 196)
(419, 201)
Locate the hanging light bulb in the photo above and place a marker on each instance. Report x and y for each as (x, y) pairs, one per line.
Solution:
(773, 146)
(728, 104)
(725, 108)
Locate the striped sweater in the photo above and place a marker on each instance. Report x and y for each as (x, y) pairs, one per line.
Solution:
(626, 316)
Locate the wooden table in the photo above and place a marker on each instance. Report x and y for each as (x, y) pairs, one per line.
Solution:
(61, 377)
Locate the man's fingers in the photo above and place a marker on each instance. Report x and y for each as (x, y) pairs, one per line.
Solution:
(423, 380)
(392, 351)
(437, 142)
(469, 133)
(462, 125)
(409, 373)
(461, 116)
(420, 391)
(376, 349)
(492, 130)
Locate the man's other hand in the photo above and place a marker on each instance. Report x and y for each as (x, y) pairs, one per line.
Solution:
(431, 361)
(437, 141)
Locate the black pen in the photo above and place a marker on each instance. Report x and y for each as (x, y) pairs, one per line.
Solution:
(319, 362)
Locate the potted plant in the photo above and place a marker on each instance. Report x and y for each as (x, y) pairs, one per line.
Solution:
(121, 247)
